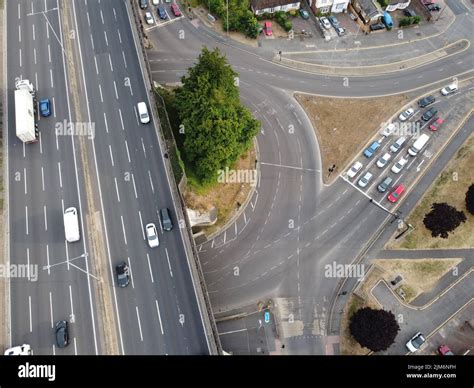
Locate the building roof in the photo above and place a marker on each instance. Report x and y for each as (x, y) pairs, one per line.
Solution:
(262, 4)
(369, 7)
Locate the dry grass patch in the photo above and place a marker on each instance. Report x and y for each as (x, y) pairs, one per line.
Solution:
(451, 187)
(344, 126)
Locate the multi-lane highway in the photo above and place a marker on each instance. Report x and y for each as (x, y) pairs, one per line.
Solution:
(158, 312)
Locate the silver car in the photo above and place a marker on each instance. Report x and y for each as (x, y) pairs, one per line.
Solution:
(364, 181)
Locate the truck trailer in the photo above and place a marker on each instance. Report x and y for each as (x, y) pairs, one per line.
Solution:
(25, 111)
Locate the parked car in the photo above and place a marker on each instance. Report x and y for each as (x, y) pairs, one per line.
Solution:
(409, 12)
(123, 276)
(62, 334)
(152, 235)
(370, 151)
(45, 107)
(149, 18)
(395, 147)
(407, 114)
(333, 21)
(449, 89)
(325, 22)
(364, 181)
(388, 129)
(267, 28)
(143, 4)
(162, 13)
(415, 342)
(340, 31)
(428, 2)
(425, 101)
(384, 185)
(155, 2)
(444, 350)
(354, 169)
(383, 160)
(397, 167)
(436, 124)
(20, 350)
(377, 26)
(304, 14)
(175, 10)
(428, 115)
(395, 194)
(433, 7)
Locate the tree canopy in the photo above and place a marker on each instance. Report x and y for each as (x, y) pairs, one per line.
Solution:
(442, 219)
(470, 199)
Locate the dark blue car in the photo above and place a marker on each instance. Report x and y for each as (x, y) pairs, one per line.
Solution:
(162, 13)
(45, 107)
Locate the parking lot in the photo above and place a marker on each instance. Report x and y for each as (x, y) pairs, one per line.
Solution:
(159, 12)
(374, 167)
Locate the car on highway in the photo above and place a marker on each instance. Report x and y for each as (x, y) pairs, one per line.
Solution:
(428, 115)
(304, 14)
(325, 22)
(449, 89)
(444, 350)
(175, 9)
(433, 7)
(416, 342)
(149, 18)
(165, 218)
(364, 181)
(152, 235)
(371, 150)
(383, 160)
(377, 26)
(143, 113)
(45, 107)
(395, 147)
(21, 350)
(340, 31)
(334, 22)
(267, 27)
(397, 167)
(162, 13)
(394, 196)
(425, 101)
(143, 4)
(407, 114)
(354, 169)
(123, 274)
(436, 124)
(62, 334)
(385, 184)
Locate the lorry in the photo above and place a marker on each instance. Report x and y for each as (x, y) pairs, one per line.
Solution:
(25, 111)
(71, 225)
(418, 145)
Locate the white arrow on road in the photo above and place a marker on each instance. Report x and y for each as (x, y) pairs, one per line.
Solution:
(418, 167)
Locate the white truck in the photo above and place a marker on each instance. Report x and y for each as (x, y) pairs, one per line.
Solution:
(71, 225)
(25, 111)
(418, 145)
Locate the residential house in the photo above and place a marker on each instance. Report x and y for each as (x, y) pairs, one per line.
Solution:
(321, 6)
(260, 7)
(393, 5)
(339, 6)
(369, 11)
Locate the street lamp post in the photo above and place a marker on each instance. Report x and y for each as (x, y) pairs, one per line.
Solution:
(227, 4)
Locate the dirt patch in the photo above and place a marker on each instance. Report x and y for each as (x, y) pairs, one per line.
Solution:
(226, 197)
(451, 187)
(344, 126)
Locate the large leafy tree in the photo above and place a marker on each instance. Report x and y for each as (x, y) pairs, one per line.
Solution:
(470, 199)
(374, 329)
(217, 128)
(442, 219)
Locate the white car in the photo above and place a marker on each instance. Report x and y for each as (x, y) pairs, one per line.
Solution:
(415, 342)
(143, 113)
(449, 89)
(406, 115)
(397, 167)
(388, 129)
(364, 181)
(382, 161)
(22, 350)
(155, 2)
(152, 235)
(325, 23)
(354, 169)
(149, 18)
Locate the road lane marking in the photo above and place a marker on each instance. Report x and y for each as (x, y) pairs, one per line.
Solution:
(139, 324)
(29, 307)
(19, 15)
(106, 126)
(110, 62)
(34, 55)
(123, 230)
(88, 19)
(33, 30)
(72, 305)
(143, 146)
(121, 120)
(36, 80)
(49, 53)
(41, 144)
(116, 189)
(111, 156)
(51, 309)
(124, 61)
(45, 218)
(101, 97)
(51, 75)
(120, 38)
(54, 110)
(159, 316)
(128, 153)
(134, 187)
(141, 224)
(116, 93)
(169, 264)
(115, 15)
(20, 57)
(75, 346)
(102, 17)
(24, 178)
(24, 150)
(151, 182)
(106, 40)
(47, 258)
(92, 42)
(28, 263)
(149, 267)
(26, 219)
(131, 272)
(159, 221)
(96, 67)
(60, 176)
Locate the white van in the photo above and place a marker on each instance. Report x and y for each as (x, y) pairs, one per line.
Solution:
(71, 225)
(143, 113)
(418, 145)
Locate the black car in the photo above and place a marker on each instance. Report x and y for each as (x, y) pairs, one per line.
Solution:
(409, 12)
(62, 334)
(123, 275)
(429, 114)
(166, 222)
(433, 7)
(424, 102)
(377, 26)
(143, 4)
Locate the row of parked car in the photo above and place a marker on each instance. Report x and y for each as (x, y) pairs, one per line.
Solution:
(327, 22)
(160, 10)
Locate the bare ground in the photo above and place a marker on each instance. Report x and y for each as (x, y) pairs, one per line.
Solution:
(344, 126)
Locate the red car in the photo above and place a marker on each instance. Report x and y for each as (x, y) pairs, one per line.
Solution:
(395, 194)
(436, 124)
(443, 350)
(267, 27)
(175, 10)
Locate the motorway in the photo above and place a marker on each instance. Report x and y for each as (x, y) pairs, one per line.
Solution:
(158, 313)
(294, 224)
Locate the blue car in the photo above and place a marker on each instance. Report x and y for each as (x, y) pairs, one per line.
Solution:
(371, 150)
(45, 107)
(267, 317)
(162, 13)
